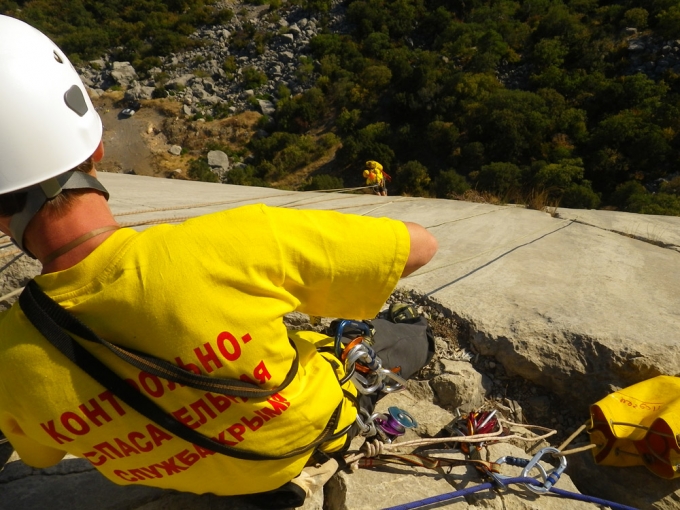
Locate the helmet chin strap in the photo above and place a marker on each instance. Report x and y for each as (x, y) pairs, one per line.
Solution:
(41, 193)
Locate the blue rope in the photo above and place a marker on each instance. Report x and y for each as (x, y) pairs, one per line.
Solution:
(508, 481)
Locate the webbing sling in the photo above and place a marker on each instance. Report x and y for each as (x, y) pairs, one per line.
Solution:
(51, 320)
(50, 312)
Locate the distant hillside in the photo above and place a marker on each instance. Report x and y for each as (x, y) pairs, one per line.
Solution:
(137, 31)
(535, 101)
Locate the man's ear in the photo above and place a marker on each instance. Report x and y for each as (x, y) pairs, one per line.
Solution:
(98, 153)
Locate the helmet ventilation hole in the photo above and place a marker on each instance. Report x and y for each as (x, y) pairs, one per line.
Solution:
(58, 58)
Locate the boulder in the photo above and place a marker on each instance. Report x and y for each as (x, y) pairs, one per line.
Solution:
(180, 81)
(123, 73)
(175, 150)
(460, 386)
(286, 56)
(267, 107)
(137, 92)
(218, 161)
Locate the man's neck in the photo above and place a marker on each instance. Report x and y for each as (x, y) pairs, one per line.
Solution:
(48, 233)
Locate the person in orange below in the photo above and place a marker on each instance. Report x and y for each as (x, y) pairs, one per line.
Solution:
(376, 177)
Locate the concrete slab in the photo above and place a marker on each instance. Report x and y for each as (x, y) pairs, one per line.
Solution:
(660, 230)
(564, 301)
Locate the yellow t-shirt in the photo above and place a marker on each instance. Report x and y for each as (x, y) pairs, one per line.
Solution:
(208, 294)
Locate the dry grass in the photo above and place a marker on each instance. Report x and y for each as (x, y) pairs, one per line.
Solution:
(297, 179)
(541, 200)
(538, 199)
(479, 197)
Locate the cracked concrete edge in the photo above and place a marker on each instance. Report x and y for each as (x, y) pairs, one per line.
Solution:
(584, 373)
(662, 231)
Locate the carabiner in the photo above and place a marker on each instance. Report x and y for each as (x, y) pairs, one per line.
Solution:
(341, 328)
(553, 475)
(364, 386)
(368, 426)
(519, 462)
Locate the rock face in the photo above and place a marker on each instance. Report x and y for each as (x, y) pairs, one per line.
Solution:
(200, 79)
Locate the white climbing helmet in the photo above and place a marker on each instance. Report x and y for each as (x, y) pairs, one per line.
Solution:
(47, 122)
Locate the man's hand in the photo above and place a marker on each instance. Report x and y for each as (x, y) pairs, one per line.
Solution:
(423, 248)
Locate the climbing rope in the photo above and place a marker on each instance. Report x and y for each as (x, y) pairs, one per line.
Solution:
(376, 448)
(11, 294)
(505, 482)
(232, 201)
(382, 455)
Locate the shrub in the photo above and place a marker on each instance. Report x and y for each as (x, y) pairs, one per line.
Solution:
(253, 78)
(580, 196)
(199, 170)
(413, 179)
(500, 178)
(449, 184)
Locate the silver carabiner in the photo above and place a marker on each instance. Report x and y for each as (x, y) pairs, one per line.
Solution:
(523, 463)
(367, 427)
(363, 386)
(553, 475)
(388, 374)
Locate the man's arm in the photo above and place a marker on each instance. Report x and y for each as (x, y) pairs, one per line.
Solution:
(423, 248)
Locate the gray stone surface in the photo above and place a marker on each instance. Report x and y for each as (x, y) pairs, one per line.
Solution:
(431, 419)
(460, 386)
(123, 73)
(16, 269)
(266, 107)
(661, 231)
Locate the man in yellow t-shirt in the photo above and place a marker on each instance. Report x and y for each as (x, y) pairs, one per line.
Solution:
(208, 296)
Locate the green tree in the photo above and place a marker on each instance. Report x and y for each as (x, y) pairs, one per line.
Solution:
(500, 177)
(412, 179)
(449, 183)
(636, 17)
